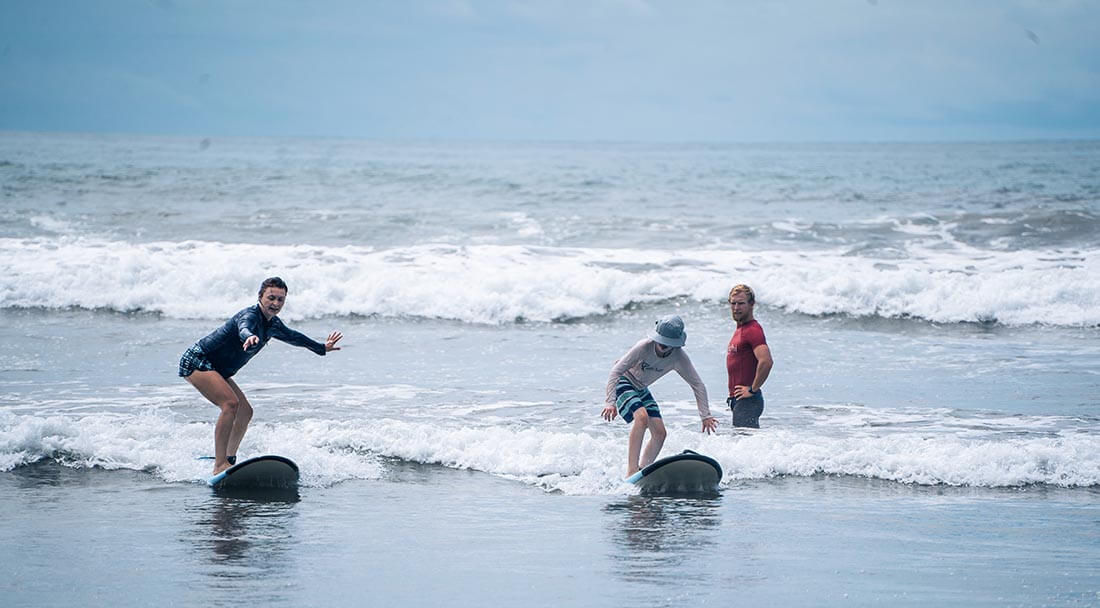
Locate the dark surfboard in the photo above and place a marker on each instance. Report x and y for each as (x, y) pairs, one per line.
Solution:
(685, 473)
(259, 472)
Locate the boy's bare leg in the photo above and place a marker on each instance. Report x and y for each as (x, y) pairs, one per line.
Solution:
(657, 436)
(637, 433)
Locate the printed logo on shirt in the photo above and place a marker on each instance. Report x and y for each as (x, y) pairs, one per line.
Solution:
(738, 344)
(646, 366)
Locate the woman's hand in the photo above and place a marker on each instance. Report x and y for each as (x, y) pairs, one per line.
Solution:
(333, 338)
(710, 425)
(251, 341)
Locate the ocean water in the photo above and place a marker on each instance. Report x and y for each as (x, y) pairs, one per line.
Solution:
(931, 434)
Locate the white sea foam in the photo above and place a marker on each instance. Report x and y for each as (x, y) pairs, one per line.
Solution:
(52, 224)
(500, 284)
(524, 224)
(160, 444)
(570, 461)
(1068, 461)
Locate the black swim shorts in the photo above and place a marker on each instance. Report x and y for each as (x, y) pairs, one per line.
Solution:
(746, 412)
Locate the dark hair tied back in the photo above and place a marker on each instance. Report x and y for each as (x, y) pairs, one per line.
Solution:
(272, 282)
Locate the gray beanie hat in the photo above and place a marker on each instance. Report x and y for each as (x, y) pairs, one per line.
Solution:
(669, 331)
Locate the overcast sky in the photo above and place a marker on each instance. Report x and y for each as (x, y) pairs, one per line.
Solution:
(635, 70)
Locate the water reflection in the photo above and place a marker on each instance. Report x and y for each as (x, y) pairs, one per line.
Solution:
(244, 533)
(663, 538)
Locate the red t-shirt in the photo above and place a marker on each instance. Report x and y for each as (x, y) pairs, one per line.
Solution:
(740, 360)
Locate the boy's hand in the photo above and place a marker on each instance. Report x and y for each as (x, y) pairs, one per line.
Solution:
(609, 412)
(710, 425)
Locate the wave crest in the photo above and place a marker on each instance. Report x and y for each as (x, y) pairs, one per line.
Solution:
(503, 284)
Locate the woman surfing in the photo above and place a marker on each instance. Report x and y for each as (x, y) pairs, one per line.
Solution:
(209, 365)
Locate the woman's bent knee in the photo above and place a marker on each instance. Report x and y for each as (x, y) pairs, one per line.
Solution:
(230, 406)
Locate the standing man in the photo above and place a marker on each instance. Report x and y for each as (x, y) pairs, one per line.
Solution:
(748, 360)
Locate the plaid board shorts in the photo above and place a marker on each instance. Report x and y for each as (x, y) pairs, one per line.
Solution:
(628, 399)
(194, 359)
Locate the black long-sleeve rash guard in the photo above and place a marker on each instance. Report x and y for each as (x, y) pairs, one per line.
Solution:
(224, 346)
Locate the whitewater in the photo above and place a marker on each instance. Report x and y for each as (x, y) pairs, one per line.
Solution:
(494, 283)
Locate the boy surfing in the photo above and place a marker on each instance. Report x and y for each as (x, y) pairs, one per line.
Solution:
(628, 393)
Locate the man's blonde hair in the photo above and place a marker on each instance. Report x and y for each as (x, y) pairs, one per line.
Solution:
(745, 289)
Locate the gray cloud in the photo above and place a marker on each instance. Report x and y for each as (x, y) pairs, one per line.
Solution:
(506, 69)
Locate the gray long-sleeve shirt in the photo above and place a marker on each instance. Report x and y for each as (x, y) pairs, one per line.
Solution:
(642, 366)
